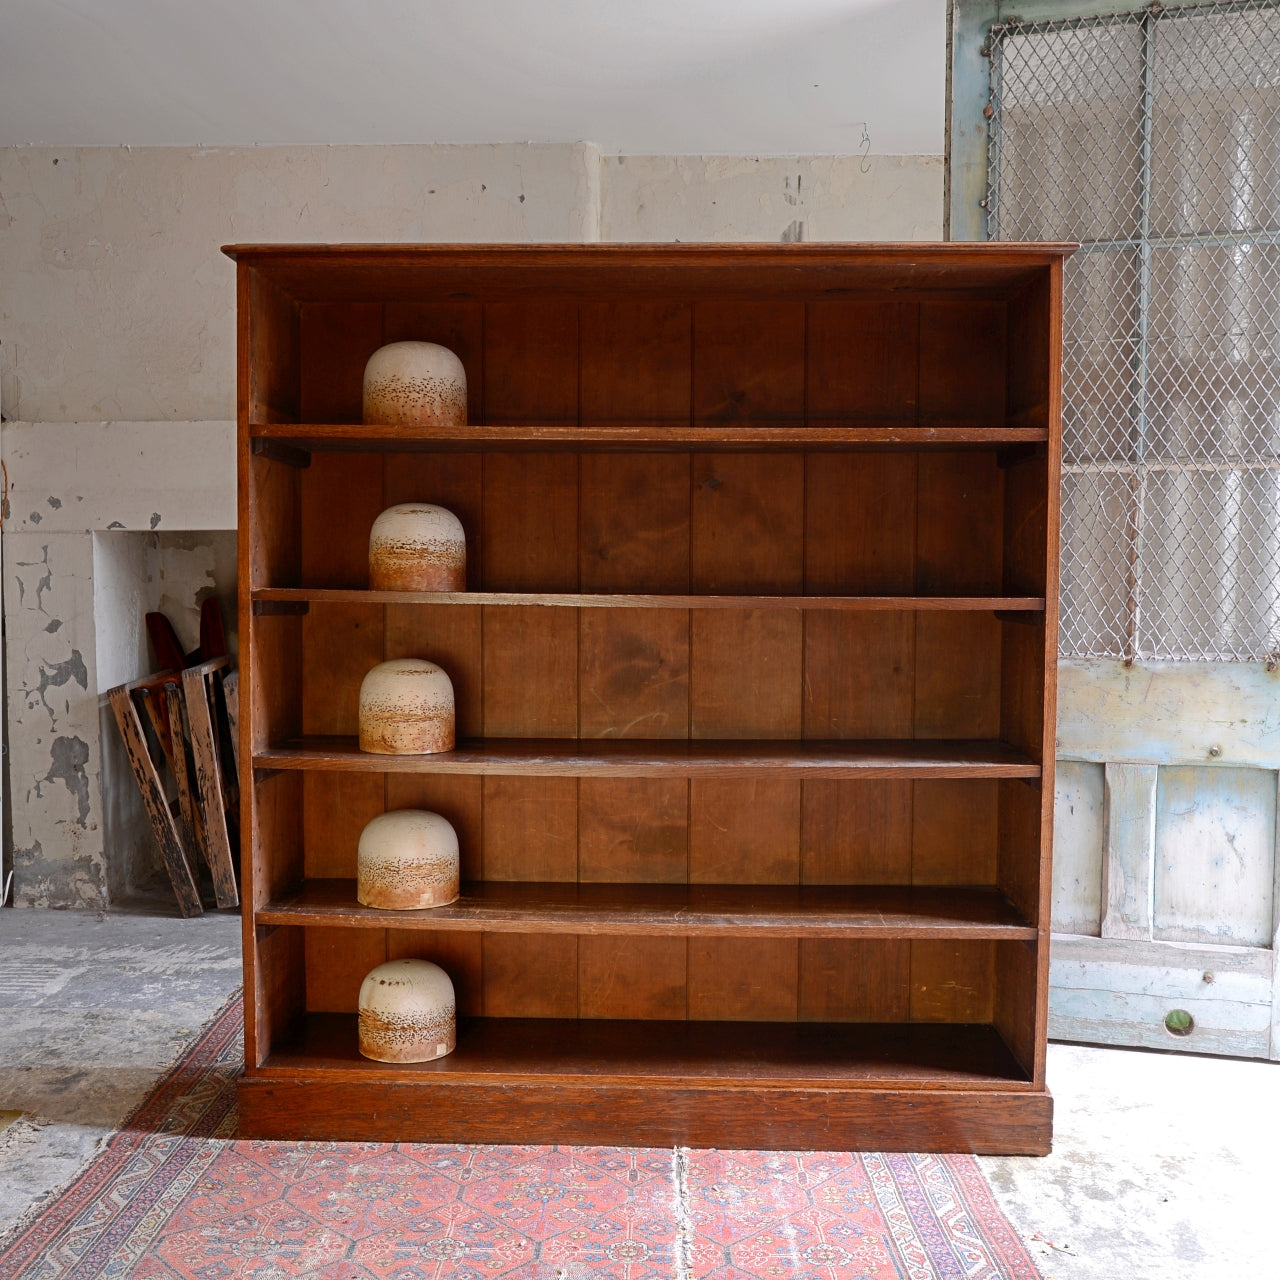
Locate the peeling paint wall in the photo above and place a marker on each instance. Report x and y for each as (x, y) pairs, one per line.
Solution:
(83, 561)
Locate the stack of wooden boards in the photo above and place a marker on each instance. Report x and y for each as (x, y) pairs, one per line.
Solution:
(192, 712)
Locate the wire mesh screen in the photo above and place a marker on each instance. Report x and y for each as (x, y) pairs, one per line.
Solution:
(1154, 139)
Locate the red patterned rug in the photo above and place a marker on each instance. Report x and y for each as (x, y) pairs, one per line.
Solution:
(174, 1197)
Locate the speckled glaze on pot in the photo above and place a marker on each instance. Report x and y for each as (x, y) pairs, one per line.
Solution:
(416, 546)
(415, 384)
(407, 1012)
(406, 709)
(407, 860)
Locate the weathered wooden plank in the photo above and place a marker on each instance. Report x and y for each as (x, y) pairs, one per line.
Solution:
(1079, 832)
(1107, 991)
(153, 797)
(1215, 856)
(1169, 712)
(1129, 852)
(204, 751)
(193, 824)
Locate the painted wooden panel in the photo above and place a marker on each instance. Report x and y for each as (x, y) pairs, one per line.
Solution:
(1169, 712)
(1119, 992)
(1128, 850)
(1215, 855)
(1078, 835)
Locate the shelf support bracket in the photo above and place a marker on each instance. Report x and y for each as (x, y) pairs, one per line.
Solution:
(278, 451)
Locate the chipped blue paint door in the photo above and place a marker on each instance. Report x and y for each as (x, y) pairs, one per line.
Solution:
(1166, 878)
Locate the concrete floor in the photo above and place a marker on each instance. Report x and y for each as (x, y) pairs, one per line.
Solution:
(1163, 1164)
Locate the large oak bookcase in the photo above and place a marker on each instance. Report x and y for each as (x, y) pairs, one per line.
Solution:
(755, 686)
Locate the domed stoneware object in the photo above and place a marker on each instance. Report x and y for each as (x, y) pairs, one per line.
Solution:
(417, 547)
(406, 709)
(415, 384)
(407, 1012)
(407, 860)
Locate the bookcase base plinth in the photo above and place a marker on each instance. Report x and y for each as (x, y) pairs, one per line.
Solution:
(988, 1122)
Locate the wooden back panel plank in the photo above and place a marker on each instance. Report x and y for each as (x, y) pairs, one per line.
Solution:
(635, 522)
(336, 340)
(953, 834)
(1030, 353)
(962, 361)
(842, 980)
(635, 360)
(860, 675)
(633, 830)
(744, 979)
(456, 798)
(860, 523)
(748, 523)
(621, 977)
(337, 962)
(863, 360)
(745, 673)
(530, 537)
(748, 361)
(530, 361)
(856, 832)
(273, 373)
(452, 637)
(952, 981)
(530, 829)
(960, 533)
(530, 975)
(633, 674)
(744, 832)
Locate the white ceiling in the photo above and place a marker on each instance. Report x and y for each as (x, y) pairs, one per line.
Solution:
(728, 77)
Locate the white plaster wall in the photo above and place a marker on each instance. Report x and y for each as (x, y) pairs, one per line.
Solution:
(788, 198)
(116, 303)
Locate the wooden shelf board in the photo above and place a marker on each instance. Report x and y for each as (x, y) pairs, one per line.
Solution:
(786, 911)
(618, 600)
(644, 436)
(652, 757)
(847, 1055)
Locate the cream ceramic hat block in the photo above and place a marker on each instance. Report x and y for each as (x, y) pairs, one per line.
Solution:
(406, 709)
(407, 860)
(417, 547)
(415, 384)
(407, 1012)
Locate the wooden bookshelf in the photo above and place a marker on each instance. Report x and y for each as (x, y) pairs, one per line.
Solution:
(755, 690)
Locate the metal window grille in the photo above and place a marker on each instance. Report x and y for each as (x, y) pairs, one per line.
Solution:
(1154, 139)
